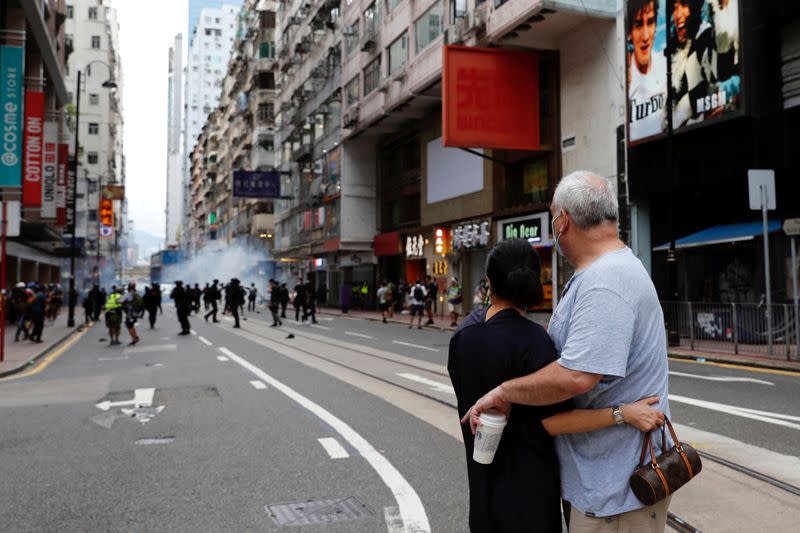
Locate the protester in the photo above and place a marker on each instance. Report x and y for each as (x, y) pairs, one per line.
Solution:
(431, 291)
(183, 306)
(519, 490)
(418, 294)
(234, 300)
(608, 326)
(152, 303)
(251, 297)
(196, 296)
(310, 308)
(299, 299)
(113, 313)
(21, 298)
(284, 299)
(274, 302)
(212, 295)
(383, 305)
(98, 298)
(454, 298)
(37, 310)
(133, 306)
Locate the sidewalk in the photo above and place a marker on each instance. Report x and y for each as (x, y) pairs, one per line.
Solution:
(443, 323)
(18, 355)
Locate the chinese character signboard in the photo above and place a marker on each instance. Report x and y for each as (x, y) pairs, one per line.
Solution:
(49, 170)
(700, 38)
(11, 87)
(32, 151)
(441, 241)
(62, 181)
(247, 184)
(415, 246)
(490, 98)
(106, 217)
(471, 235)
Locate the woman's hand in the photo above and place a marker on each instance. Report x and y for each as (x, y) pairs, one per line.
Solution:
(642, 416)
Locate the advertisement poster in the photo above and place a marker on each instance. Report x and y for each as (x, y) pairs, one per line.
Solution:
(11, 89)
(32, 149)
(61, 185)
(699, 39)
(49, 170)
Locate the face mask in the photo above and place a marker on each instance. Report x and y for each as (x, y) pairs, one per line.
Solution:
(556, 236)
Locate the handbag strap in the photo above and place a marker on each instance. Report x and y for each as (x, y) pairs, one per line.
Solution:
(679, 448)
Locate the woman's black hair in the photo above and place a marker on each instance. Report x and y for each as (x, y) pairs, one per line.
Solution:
(514, 271)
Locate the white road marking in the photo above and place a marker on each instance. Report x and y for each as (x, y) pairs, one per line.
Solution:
(153, 348)
(120, 358)
(411, 509)
(761, 416)
(141, 398)
(334, 449)
(354, 334)
(394, 522)
(204, 340)
(258, 384)
(721, 378)
(222, 358)
(415, 346)
(325, 318)
(193, 332)
(317, 326)
(435, 385)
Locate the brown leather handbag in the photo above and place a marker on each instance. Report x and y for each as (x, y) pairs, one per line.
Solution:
(663, 475)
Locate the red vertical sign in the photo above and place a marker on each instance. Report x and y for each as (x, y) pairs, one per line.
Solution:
(32, 150)
(61, 185)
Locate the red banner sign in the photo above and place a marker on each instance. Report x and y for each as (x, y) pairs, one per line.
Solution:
(32, 150)
(106, 212)
(490, 98)
(62, 182)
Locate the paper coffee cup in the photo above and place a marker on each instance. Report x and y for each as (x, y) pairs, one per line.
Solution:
(487, 436)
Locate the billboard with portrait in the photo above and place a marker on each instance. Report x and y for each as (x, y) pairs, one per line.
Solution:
(699, 41)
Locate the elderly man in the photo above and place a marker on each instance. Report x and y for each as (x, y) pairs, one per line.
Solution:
(609, 331)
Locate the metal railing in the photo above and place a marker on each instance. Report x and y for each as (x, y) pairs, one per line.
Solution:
(739, 328)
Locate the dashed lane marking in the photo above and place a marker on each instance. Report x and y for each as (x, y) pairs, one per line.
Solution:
(435, 385)
(334, 449)
(258, 384)
(729, 379)
(412, 511)
(354, 334)
(222, 358)
(204, 340)
(193, 332)
(777, 419)
(415, 346)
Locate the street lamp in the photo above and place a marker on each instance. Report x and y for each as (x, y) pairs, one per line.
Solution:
(108, 84)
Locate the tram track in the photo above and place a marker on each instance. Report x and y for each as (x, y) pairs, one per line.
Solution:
(673, 521)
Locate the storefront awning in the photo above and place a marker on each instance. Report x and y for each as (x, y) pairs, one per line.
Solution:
(724, 233)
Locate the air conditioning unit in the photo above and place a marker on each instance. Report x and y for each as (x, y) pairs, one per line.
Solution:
(351, 117)
(368, 42)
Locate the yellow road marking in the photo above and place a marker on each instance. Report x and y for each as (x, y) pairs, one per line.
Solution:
(47, 361)
(743, 368)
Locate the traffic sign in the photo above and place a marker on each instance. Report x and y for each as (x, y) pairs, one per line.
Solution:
(791, 227)
(106, 231)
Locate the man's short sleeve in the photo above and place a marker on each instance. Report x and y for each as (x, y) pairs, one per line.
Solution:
(600, 334)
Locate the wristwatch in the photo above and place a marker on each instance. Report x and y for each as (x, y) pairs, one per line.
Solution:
(616, 412)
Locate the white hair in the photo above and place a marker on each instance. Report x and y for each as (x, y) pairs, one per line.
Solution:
(589, 199)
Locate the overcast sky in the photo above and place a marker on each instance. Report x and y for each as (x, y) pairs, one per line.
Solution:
(147, 30)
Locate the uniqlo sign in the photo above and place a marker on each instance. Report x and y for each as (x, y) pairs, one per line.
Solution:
(32, 168)
(490, 98)
(49, 170)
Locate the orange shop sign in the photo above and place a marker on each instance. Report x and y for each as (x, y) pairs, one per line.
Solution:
(106, 212)
(490, 98)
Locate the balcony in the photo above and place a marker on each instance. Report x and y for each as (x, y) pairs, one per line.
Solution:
(265, 64)
(266, 95)
(262, 223)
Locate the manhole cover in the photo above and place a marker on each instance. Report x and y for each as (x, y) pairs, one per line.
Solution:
(318, 511)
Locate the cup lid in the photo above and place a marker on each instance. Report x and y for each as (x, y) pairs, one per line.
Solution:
(493, 417)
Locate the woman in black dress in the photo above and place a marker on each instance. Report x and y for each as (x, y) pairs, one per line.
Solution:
(520, 491)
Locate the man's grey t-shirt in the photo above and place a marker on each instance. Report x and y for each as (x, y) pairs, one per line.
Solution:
(609, 322)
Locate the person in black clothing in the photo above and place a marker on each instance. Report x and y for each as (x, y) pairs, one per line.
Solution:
(431, 290)
(251, 297)
(38, 307)
(98, 300)
(206, 300)
(234, 296)
(274, 302)
(212, 295)
(152, 303)
(196, 295)
(299, 300)
(322, 295)
(183, 305)
(284, 299)
(520, 490)
(310, 307)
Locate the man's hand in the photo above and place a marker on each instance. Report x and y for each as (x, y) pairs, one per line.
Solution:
(642, 416)
(491, 400)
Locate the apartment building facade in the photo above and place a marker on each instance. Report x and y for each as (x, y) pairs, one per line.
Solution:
(35, 151)
(92, 29)
(238, 136)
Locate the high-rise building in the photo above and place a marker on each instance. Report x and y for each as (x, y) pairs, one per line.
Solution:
(197, 6)
(213, 35)
(92, 30)
(174, 207)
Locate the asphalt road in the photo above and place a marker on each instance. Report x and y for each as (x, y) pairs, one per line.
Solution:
(243, 414)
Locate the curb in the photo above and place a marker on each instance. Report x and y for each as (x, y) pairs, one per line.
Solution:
(31, 362)
(734, 362)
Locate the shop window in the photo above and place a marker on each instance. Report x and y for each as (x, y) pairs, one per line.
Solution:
(429, 26)
(398, 54)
